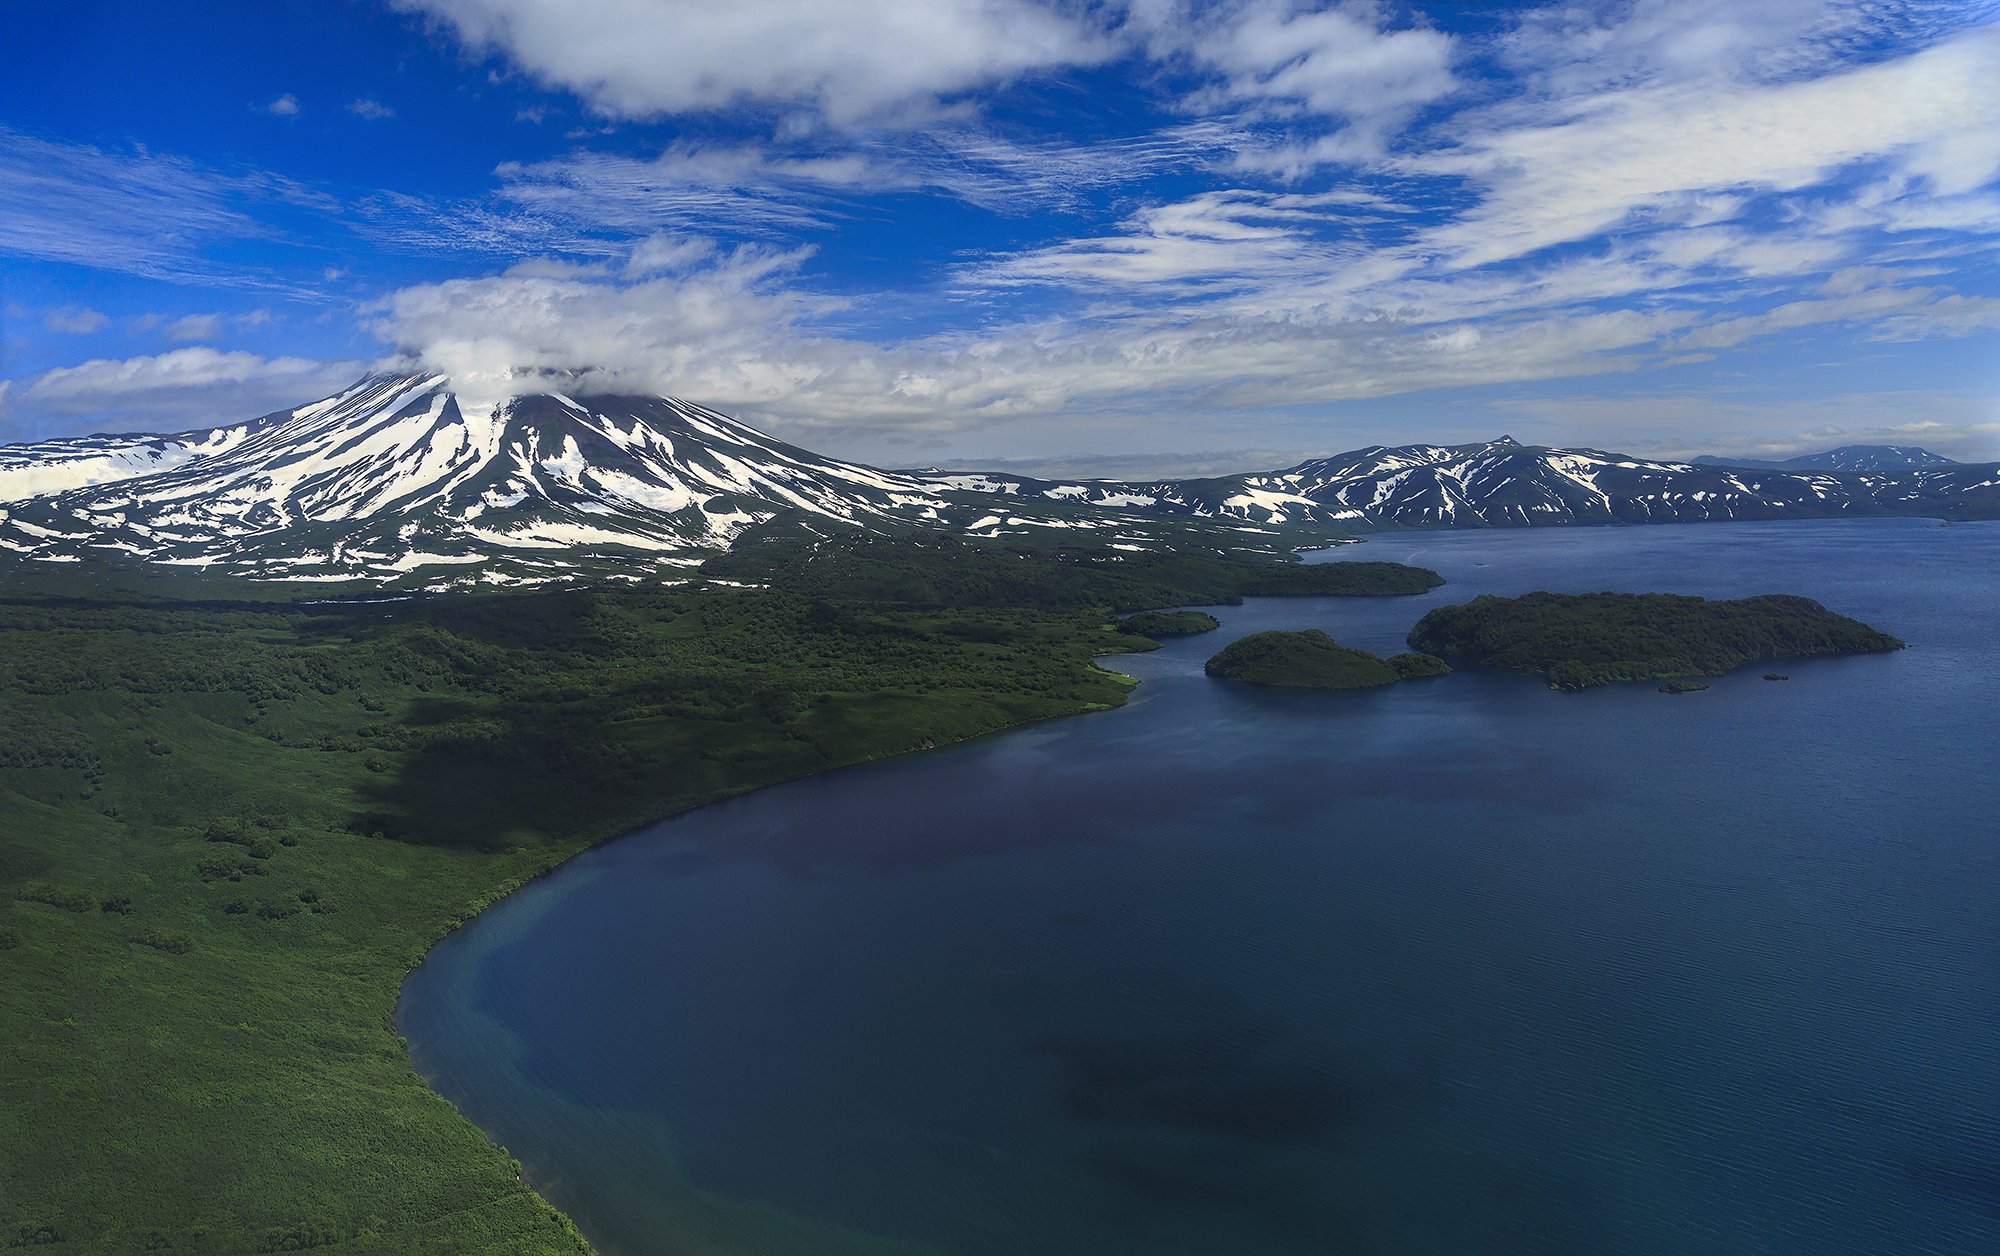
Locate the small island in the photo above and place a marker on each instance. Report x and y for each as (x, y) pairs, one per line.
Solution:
(1313, 660)
(1158, 624)
(1415, 665)
(1581, 640)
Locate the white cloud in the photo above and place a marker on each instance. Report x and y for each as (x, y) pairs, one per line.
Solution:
(370, 110)
(1354, 255)
(1342, 64)
(1570, 50)
(731, 329)
(1885, 313)
(76, 320)
(772, 190)
(690, 317)
(852, 61)
(668, 255)
(1631, 156)
(1353, 206)
(195, 327)
(1233, 239)
(285, 106)
(185, 389)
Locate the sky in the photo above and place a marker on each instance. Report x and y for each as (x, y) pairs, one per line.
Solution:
(1110, 237)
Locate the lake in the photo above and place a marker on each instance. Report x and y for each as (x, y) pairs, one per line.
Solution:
(1462, 965)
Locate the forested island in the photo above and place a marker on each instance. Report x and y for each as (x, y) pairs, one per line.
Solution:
(1581, 640)
(234, 814)
(1310, 659)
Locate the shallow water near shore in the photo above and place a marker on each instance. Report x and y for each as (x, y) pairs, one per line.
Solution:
(1457, 965)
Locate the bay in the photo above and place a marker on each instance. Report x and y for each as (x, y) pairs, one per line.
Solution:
(1458, 965)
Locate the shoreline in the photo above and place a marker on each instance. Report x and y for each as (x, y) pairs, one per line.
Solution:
(719, 837)
(514, 886)
(1130, 685)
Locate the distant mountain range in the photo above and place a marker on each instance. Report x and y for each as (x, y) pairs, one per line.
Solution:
(393, 480)
(1502, 483)
(1845, 458)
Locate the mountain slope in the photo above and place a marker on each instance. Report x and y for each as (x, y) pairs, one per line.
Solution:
(56, 466)
(391, 476)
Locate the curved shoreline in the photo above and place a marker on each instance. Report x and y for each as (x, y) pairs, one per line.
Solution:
(508, 889)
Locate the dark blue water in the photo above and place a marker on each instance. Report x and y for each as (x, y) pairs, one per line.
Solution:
(1457, 966)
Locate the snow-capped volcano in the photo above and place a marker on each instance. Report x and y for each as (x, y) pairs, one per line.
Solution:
(393, 475)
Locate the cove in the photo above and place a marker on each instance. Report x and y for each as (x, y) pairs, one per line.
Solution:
(1461, 965)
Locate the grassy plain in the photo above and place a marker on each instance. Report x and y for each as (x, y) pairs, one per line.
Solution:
(233, 816)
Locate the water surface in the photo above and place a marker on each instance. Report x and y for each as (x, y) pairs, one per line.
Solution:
(1459, 965)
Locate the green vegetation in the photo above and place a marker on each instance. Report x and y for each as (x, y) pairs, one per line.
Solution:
(1168, 623)
(231, 821)
(1412, 665)
(1351, 579)
(1682, 686)
(938, 569)
(1603, 638)
(1300, 660)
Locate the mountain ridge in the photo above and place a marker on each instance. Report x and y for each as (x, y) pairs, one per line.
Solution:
(1502, 483)
(392, 480)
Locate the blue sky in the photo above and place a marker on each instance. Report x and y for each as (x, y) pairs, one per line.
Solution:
(1121, 236)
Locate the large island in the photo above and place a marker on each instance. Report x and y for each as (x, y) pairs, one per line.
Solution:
(1581, 640)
